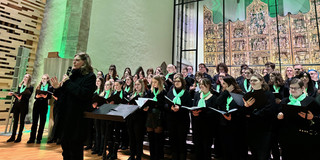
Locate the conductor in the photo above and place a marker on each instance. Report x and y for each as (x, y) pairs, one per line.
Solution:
(75, 93)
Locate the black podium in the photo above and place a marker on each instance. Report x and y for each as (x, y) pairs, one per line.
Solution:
(112, 112)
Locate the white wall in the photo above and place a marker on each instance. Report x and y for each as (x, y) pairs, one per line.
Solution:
(130, 33)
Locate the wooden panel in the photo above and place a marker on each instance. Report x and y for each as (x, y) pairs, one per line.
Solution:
(20, 25)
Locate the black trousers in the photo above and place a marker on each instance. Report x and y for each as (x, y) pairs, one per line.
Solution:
(260, 144)
(136, 130)
(202, 138)
(178, 136)
(39, 111)
(18, 112)
(72, 150)
(100, 127)
(56, 129)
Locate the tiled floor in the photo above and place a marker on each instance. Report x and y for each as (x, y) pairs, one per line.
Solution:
(43, 151)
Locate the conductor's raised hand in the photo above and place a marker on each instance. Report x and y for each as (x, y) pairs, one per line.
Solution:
(54, 82)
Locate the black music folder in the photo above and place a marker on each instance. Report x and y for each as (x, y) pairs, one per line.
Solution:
(43, 92)
(224, 112)
(291, 111)
(112, 112)
(146, 102)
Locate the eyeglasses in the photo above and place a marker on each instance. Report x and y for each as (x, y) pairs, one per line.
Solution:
(295, 88)
(254, 80)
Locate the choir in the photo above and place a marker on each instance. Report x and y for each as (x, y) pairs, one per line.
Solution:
(249, 117)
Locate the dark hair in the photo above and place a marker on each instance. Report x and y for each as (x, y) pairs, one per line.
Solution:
(231, 81)
(225, 68)
(207, 82)
(264, 84)
(124, 72)
(140, 69)
(272, 65)
(190, 66)
(310, 83)
(202, 65)
(101, 87)
(131, 85)
(150, 70)
(86, 68)
(297, 81)
(114, 73)
(279, 80)
(185, 68)
(101, 73)
(180, 77)
(244, 66)
(119, 81)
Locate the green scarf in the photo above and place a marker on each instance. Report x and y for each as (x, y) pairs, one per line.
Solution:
(218, 88)
(297, 102)
(229, 100)
(246, 84)
(127, 89)
(177, 99)
(22, 88)
(44, 88)
(97, 91)
(202, 102)
(121, 94)
(107, 94)
(135, 94)
(276, 89)
(316, 85)
(155, 94)
(167, 76)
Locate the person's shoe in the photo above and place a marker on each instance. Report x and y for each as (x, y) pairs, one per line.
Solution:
(124, 147)
(30, 141)
(38, 142)
(11, 139)
(94, 152)
(17, 140)
(51, 141)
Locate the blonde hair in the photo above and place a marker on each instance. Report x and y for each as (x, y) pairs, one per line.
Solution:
(29, 81)
(160, 83)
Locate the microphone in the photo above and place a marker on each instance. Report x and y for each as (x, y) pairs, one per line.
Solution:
(69, 70)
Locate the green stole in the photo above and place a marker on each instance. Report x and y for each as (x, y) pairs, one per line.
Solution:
(297, 102)
(44, 88)
(22, 88)
(127, 89)
(202, 102)
(155, 95)
(229, 100)
(177, 99)
(245, 83)
(276, 89)
(167, 76)
(121, 94)
(107, 94)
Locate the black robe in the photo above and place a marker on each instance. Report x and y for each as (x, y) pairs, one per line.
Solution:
(231, 132)
(75, 97)
(295, 143)
(204, 127)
